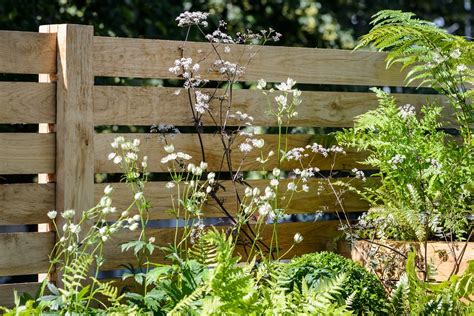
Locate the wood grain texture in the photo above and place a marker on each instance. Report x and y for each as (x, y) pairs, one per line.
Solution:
(7, 297)
(25, 253)
(26, 203)
(75, 127)
(27, 52)
(150, 105)
(27, 102)
(317, 236)
(27, 153)
(189, 143)
(145, 58)
(319, 198)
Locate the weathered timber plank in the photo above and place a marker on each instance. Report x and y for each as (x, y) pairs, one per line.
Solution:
(145, 58)
(150, 105)
(26, 203)
(27, 102)
(7, 297)
(319, 198)
(27, 52)
(189, 143)
(317, 236)
(27, 153)
(25, 253)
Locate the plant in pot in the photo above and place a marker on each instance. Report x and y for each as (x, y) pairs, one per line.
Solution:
(425, 173)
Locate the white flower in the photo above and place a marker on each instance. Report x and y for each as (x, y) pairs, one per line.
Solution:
(103, 230)
(286, 86)
(258, 143)
(136, 142)
(117, 160)
(183, 156)
(305, 188)
(274, 182)
(104, 238)
(151, 240)
(105, 201)
(407, 110)
(226, 49)
(248, 192)
(68, 214)
(192, 18)
(264, 209)
(245, 148)
(75, 229)
(108, 189)
(203, 165)
(291, 186)
(461, 68)
(145, 162)
(52, 214)
(276, 172)
(298, 238)
(261, 84)
(208, 189)
(255, 191)
(138, 196)
(170, 185)
(124, 214)
(132, 156)
(168, 158)
(136, 218)
(133, 227)
(455, 53)
(281, 100)
(111, 156)
(169, 148)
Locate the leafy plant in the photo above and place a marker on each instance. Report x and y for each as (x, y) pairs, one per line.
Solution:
(365, 290)
(413, 296)
(434, 58)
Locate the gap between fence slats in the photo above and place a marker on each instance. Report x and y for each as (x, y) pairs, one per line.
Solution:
(189, 143)
(26, 203)
(7, 291)
(27, 153)
(27, 52)
(25, 253)
(317, 236)
(27, 102)
(319, 198)
(123, 105)
(145, 58)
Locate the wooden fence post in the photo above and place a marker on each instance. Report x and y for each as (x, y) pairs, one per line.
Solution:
(74, 117)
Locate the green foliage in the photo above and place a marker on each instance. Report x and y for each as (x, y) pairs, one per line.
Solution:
(415, 297)
(426, 177)
(364, 289)
(434, 58)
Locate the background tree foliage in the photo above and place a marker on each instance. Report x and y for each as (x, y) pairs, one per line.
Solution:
(335, 23)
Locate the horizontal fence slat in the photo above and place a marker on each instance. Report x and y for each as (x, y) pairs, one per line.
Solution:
(122, 105)
(317, 236)
(27, 52)
(26, 203)
(27, 153)
(7, 297)
(318, 198)
(189, 143)
(146, 58)
(25, 253)
(27, 102)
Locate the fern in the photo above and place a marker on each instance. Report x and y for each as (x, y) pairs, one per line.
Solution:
(432, 56)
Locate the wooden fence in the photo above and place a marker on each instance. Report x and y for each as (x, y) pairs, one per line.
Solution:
(66, 153)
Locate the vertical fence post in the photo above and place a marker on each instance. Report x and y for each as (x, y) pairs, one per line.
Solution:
(74, 118)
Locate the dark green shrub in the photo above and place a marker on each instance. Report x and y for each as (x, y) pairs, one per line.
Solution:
(369, 295)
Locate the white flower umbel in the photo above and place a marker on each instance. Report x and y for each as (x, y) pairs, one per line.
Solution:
(192, 18)
(261, 84)
(52, 214)
(68, 214)
(298, 238)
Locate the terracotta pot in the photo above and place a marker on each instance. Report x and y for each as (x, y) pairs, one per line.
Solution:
(441, 256)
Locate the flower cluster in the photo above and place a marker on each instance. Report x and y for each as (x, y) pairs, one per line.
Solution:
(174, 156)
(185, 69)
(202, 102)
(396, 160)
(228, 69)
(192, 18)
